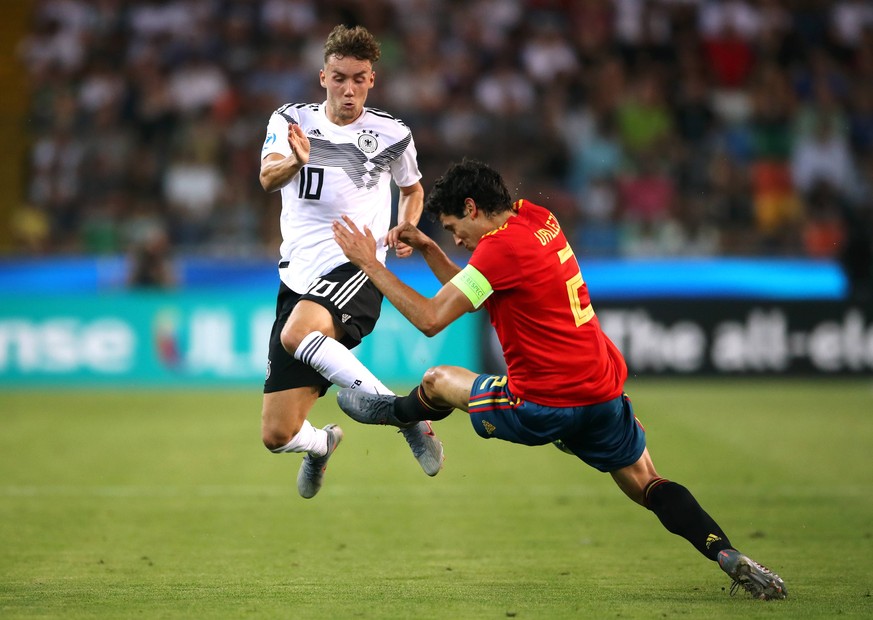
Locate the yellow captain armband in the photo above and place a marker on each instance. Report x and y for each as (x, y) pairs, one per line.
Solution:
(472, 284)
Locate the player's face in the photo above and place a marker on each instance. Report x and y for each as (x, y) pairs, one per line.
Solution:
(464, 230)
(347, 81)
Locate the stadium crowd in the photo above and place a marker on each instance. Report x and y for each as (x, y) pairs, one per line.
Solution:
(651, 127)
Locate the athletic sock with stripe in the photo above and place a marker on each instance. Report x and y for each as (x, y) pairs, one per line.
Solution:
(337, 364)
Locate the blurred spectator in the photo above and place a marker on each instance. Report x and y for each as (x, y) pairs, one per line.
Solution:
(644, 121)
(693, 115)
(730, 201)
(462, 126)
(596, 151)
(591, 27)
(417, 87)
(30, 230)
(820, 80)
(824, 231)
(648, 194)
(150, 264)
(191, 185)
(727, 29)
(696, 232)
(597, 230)
(276, 77)
(777, 206)
(861, 120)
(505, 90)
(849, 19)
(546, 55)
(822, 155)
(286, 20)
(49, 44)
(196, 84)
(738, 17)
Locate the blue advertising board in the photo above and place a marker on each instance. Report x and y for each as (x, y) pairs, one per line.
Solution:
(71, 321)
(187, 339)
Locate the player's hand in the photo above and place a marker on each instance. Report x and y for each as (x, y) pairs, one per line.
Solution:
(359, 247)
(401, 250)
(405, 238)
(299, 143)
(392, 240)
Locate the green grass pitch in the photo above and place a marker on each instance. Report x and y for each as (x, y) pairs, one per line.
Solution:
(164, 504)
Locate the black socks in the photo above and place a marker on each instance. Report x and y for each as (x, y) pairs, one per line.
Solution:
(680, 513)
(417, 407)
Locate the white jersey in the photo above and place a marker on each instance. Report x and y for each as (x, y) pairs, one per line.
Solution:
(349, 173)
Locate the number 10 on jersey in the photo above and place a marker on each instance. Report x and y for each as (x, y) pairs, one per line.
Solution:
(311, 181)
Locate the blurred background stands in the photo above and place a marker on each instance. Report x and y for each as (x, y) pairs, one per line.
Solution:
(652, 128)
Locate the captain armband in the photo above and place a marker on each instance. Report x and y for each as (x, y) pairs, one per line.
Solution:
(472, 284)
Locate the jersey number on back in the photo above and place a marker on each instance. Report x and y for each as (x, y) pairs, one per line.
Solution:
(311, 182)
(580, 314)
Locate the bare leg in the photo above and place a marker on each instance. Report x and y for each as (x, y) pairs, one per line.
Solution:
(634, 479)
(283, 414)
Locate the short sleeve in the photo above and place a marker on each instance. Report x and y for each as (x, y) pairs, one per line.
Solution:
(276, 140)
(404, 169)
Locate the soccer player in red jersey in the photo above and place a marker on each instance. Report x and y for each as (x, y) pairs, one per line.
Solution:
(565, 378)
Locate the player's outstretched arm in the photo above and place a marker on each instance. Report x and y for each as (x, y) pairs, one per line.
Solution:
(430, 316)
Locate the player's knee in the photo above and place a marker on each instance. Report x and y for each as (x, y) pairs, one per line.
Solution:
(290, 339)
(432, 379)
(292, 335)
(275, 438)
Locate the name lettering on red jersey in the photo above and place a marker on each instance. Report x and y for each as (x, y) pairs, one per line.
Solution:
(549, 231)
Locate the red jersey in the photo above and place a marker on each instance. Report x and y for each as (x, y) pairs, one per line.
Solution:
(555, 351)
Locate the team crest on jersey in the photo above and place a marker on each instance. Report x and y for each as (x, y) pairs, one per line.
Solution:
(368, 142)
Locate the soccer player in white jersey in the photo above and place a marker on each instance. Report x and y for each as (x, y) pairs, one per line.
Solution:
(332, 159)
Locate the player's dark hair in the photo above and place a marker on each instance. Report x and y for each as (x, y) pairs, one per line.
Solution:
(357, 42)
(468, 179)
